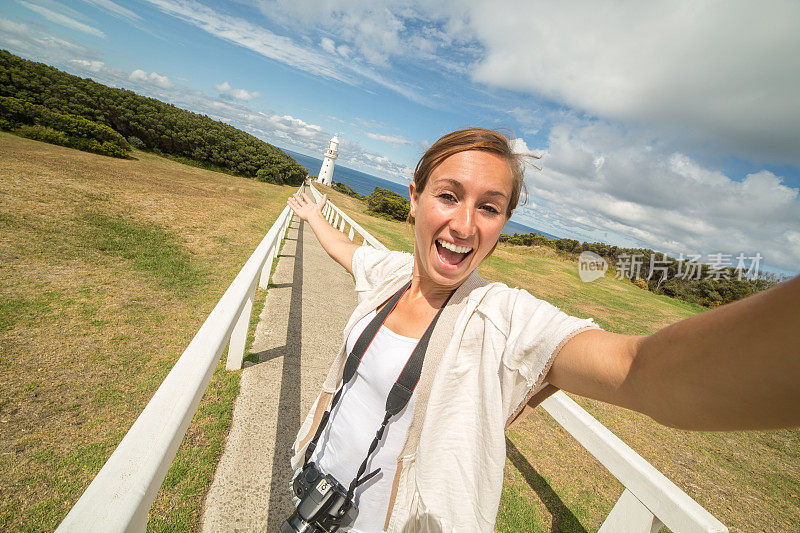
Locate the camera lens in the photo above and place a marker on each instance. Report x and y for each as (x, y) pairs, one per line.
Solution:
(295, 524)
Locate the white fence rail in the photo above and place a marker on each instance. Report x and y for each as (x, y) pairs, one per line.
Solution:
(121, 494)
(338, 219)
(649, 500)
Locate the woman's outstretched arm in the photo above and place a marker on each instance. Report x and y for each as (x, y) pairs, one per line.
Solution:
(734, 367)
(338, 246)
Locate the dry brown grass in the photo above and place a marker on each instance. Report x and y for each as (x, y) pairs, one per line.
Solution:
(90, 326)
(748, 480)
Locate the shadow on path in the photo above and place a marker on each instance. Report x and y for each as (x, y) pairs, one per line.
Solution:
(289, 403)
(563, 519)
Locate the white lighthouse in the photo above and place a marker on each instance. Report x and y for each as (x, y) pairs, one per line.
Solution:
(326, 171)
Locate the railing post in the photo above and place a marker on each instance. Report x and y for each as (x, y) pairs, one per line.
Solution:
(341, 225)
(351, 234)
(629, 515)
(239, 335)
(263, 281)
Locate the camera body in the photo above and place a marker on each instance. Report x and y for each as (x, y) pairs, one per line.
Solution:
(324, 506)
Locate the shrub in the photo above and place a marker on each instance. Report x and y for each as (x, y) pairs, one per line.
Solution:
(341, 187)
(388, 203)
(282, 173)
(136, 142)
(43, 133)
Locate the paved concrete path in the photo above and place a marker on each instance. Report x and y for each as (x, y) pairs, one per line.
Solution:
(298, 335)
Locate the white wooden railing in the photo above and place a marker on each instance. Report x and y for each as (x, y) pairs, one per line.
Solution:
(121, 494)
(338, 219)
(649, 500)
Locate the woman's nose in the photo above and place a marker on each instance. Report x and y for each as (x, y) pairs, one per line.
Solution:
(463, 222)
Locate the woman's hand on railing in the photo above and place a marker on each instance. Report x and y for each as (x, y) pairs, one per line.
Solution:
(304, 207)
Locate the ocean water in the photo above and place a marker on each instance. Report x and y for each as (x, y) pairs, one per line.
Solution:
(365, 183)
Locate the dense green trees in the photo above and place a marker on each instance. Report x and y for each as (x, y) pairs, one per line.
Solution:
(38, 122)
(147, 123)
(281, 172)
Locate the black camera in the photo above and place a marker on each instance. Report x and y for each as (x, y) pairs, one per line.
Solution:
(324, 506)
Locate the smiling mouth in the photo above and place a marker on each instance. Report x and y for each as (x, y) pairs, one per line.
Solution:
(452, 254)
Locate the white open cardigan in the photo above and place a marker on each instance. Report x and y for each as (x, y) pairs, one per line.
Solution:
(488, 356)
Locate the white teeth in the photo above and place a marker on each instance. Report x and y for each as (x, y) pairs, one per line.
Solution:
(454, 247)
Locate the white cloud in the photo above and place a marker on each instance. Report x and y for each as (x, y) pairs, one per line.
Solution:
(685, 66)
(86, 64)
(331, 47)
(285, 49)
(599, 176)
(253, 37)
(155, 78)
(63, 20)
(391, 139)
(115, 9)
(9, 26)
(328, 45)
(23, 40)
(376, 31)
(239, 94)
(682, 69)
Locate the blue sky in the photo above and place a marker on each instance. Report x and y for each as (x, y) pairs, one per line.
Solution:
(671, 125)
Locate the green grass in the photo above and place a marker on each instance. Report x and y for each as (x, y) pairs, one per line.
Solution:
(150, 250)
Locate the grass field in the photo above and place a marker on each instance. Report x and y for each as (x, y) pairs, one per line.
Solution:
(107, 269)
(749, 481)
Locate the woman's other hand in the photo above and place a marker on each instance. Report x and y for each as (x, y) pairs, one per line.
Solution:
(336, 243)
(304, 207)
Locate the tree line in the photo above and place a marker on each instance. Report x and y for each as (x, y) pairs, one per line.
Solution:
(52, 102)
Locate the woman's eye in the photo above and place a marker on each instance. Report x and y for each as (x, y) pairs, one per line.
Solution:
(490, 209)
(447, 197)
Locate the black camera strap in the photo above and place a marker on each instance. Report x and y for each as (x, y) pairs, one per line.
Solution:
(401, 391)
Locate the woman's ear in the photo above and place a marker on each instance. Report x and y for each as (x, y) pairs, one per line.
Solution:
(414, 196)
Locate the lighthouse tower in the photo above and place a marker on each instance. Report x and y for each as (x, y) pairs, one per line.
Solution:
(326, 171)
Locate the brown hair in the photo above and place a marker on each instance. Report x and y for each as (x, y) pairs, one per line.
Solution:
(473, 139)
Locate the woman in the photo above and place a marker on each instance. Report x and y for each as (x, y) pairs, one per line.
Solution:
(496, 351)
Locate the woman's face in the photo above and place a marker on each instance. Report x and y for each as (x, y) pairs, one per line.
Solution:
(459, 215)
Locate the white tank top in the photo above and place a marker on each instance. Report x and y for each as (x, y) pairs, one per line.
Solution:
(357, 417)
